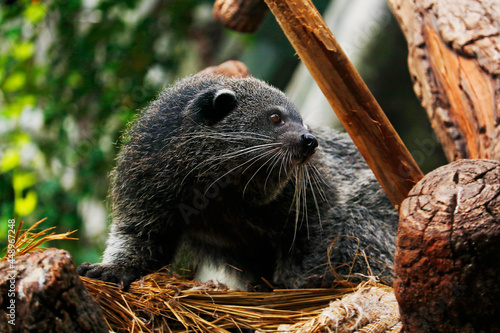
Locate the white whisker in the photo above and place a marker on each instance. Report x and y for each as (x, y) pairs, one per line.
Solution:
(253, 160)
(273, 154)
(226, 157)
(315, 200)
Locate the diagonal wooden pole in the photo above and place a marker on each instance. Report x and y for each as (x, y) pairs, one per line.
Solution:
(353, 103)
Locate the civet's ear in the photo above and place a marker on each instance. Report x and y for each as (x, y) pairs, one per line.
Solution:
(224, 101)
(213, 105)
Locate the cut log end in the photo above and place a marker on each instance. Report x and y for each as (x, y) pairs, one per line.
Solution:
(448, 250)
(242, 16)
(41, 292)
(231, 68)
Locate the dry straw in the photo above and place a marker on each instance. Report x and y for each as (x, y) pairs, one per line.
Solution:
(28, 240)
(162, 302)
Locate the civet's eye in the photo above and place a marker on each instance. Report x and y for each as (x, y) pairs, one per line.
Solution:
(275, 118)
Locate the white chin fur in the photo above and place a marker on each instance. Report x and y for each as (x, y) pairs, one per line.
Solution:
(221, 274)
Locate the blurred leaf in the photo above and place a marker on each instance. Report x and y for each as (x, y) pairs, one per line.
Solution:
(20, 139)
(12, 32)
(10, 160)
(75, 79)
(22, 181)
(25, 206)
(36, 12)
(24, 50)
(14, 109)
(15, 81)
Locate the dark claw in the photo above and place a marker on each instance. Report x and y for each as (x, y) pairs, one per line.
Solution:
(123, 276)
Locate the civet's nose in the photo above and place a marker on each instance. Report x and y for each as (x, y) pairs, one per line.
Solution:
(309, 143)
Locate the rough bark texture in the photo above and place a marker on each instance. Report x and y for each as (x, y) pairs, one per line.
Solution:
(240, 15)
(448, 250)
(454, 60)
(49, 296)
(345, 90)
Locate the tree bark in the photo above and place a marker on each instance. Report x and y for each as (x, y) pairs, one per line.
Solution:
(454, 61)
(41, 292)
(448, 250)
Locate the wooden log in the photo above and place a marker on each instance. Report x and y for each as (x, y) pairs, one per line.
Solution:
(355, 106)
(41, 292)
(231, 68)
(240, 15)
(454, 61)
(448, 250)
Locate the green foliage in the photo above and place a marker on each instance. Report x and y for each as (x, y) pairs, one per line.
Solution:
(72, 74)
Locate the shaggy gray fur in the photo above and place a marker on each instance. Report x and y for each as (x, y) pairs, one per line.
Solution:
(225, 168)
